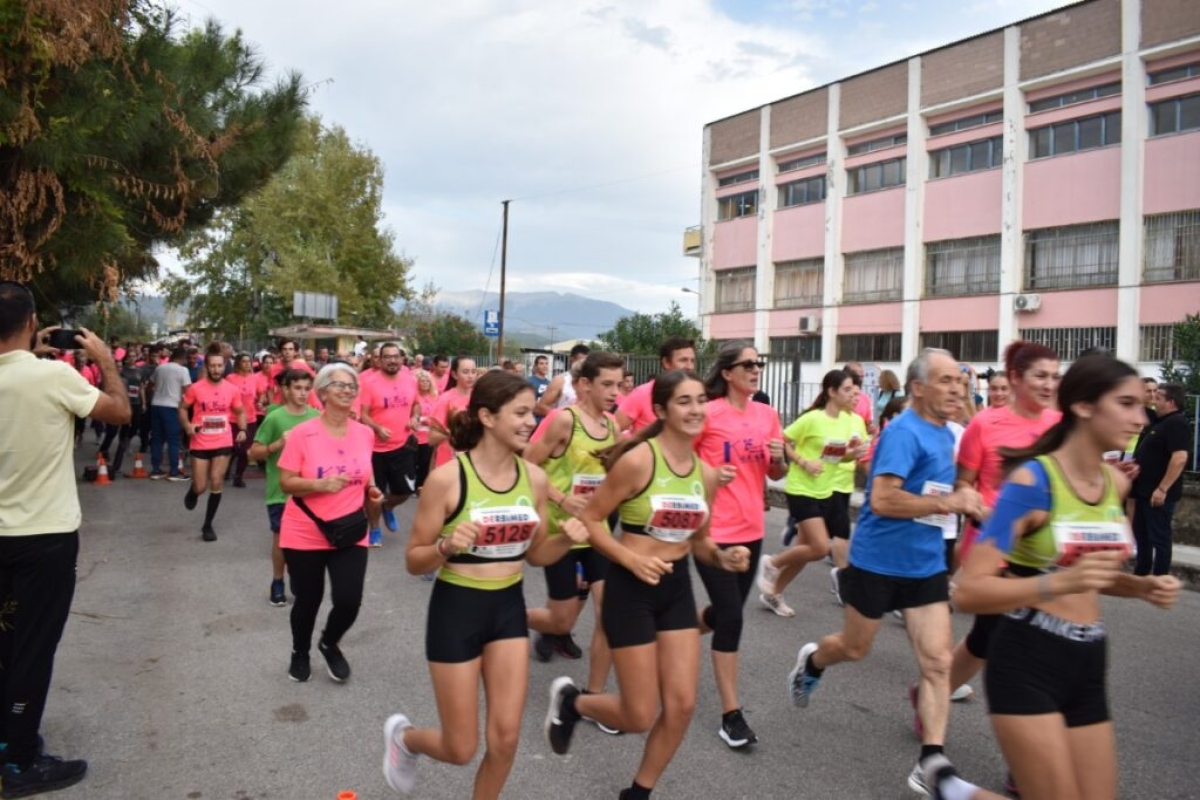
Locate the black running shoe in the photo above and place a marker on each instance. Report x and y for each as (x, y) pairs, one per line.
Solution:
(560, 720)
(735, 732)
(278, 598)
(300, 670)
(189, 499)
(543, 648)
(45, 774)
(565, 646)
(208, 534)
(335, 662)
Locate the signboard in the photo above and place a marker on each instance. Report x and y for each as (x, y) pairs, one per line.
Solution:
(491, 323)
(312, 305)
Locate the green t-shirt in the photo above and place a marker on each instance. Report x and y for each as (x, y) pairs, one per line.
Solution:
(816, 436)
(274, 425)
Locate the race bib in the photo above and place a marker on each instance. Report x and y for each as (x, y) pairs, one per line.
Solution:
(675, 517)
(585, 485)
(504, 531)
(834, 450)
(214, 424)
(1073, 539)
(935, 489)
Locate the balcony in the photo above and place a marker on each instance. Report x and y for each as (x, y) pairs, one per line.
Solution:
(693, 241)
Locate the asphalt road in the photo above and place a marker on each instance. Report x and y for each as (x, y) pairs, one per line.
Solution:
(171, 680)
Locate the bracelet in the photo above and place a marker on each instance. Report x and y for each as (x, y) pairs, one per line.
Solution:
(1043, 588)
(438, 546)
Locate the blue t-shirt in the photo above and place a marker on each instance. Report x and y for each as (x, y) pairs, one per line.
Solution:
(922, 455)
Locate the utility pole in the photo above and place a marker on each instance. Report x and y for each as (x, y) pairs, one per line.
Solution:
(503, 267)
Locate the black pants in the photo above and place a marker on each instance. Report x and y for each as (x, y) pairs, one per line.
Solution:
(241, 452)
(37, 584)
(347, 569)
(727, 591)
(424, 461)
(123, 434)
(1152, 532)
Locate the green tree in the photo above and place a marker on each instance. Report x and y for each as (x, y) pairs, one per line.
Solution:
(114, 319)
(317, 226)
(1184, 367)
(642, 334)
(120, 132)
(429, 331)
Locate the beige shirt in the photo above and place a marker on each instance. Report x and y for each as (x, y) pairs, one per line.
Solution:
(39, 401)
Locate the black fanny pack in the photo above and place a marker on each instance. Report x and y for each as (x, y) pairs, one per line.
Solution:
(342, 532)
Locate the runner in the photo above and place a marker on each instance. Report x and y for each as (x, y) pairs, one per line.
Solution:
(742, 440)
(566, 448)
(897, 559)
(326, 470)
(539, 380)
(244, 378)
(422, 412)
(476, 536)
(635, 411)
(822, 439)
(269, 442)
(999, 391)
(133, 378)
(386, 407)
(662, 489)
(1046, 669)
(169, 382)
(453, 399)
(205, 413)
(561, 391)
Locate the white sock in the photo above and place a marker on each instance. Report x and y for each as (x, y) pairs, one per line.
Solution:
(955, 788)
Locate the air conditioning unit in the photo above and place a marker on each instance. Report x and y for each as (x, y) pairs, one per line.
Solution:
(1027, 302)
(810, 324)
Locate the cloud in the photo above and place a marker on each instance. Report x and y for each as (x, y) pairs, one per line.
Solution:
(658, 36)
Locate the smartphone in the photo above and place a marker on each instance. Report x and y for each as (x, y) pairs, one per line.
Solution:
(63, 339)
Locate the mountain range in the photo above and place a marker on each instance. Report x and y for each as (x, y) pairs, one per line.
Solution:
(538, 317)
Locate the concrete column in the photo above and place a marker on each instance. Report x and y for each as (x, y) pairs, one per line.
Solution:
(835, 191)
(764, 273)
(708, 217)
(917, 167)
(1133, 137)
(1016, 152)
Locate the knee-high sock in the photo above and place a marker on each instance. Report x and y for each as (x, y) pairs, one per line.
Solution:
(214, 500)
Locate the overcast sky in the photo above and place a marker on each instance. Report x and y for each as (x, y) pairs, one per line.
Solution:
(587, 114)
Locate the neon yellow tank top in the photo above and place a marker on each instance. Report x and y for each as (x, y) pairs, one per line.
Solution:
(577, 470)
(671, 507)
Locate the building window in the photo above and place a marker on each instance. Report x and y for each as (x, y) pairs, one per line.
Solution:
(882, 143)
(1173, 247)
(798, 193)
(962, 267)
(970, 157)
(966, 345)
(741, 177)
(1071, 98)
(872, 177)
(735, 289)
(800, 284)
(806, 348)
(737, 205)
(1069, 343)
(868, 347)
(1156, 342)
(966, 123)
(1071, 257)
(1175, 74)
(1086, 133)
(1175, 115)
(874, 276)
(801, 163)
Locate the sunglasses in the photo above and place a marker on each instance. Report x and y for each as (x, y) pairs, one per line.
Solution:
(748, 364)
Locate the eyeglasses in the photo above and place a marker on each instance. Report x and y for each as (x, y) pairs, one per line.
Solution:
(748, 364)
(343, 386)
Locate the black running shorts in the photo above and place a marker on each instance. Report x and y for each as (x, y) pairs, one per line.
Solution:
(634, 611)
(874, 595)
(462, 621)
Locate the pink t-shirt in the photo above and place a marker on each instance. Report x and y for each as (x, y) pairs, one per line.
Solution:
(389, 401)
(447, 405)
(214, 409)
(739, 437)
(248, 387)
(863, 407)
(637, 406)
(988, 431)
(441, 382)
(276, 368)
(426, 404)
(263, 385)
(312, 452)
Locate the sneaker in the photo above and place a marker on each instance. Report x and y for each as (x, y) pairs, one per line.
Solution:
(768, 573)
(927, 776)
(178, 478)
(560, 723)
(776, 603)
(278, 598)
(565, 646)
(389, 519)
(917, 780)
(189, 499)
(300, 670)
(788, 534)
(335, 663)
(208, 534)
(238, 483)
(600, 725)
(399, 765)
(44, 774)
(430, 576)
(1010, 785)
(918, 726)
(834, 586)
(801, 685)
(734, 730)
(375, 538)
(898, 614)
(962, 694)
(543, 649)
(157, 476)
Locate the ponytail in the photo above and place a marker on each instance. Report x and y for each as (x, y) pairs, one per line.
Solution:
(611, 454)
(465, 431)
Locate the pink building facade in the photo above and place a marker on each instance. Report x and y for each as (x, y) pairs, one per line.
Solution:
(1039, 181)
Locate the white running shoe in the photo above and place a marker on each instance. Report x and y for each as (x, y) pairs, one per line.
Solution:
(399, 765)
(834, 587)
(964, 692)
(776, 603)
(768, 573)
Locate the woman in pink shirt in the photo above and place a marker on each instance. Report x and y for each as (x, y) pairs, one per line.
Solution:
(422, 410)
(743, 440)
(246, 381)
(327, 462)
(451, 401)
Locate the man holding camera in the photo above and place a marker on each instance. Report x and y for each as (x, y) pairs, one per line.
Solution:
(39, 525)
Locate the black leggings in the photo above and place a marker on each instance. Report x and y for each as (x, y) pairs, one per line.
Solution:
(424, 460)
(727, 591)
(347, 570)
(241, 452)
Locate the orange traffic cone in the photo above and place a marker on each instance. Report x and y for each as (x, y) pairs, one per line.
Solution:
(139, 469)
(102, 478)
(347, 795)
